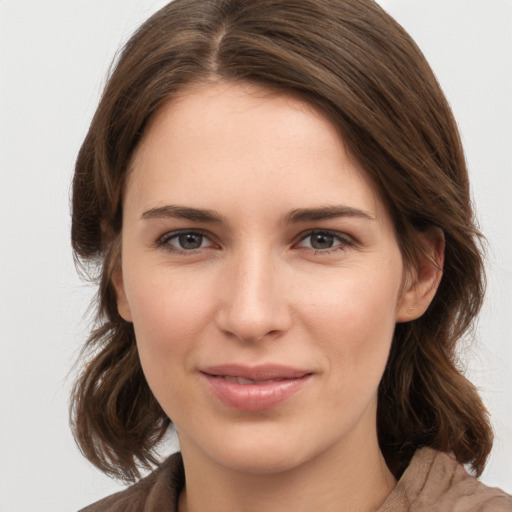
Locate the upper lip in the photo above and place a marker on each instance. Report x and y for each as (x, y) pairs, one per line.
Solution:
(256, 373)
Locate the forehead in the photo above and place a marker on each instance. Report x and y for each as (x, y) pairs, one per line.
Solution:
(208, 114)
(248, 142)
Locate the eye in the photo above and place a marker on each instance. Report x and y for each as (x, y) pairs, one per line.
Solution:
(324, 241)
(184, 241)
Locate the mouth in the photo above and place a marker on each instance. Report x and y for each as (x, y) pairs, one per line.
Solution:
(241, 380)
(255, 388)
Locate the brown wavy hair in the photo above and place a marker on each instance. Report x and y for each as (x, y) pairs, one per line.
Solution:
(355, 63)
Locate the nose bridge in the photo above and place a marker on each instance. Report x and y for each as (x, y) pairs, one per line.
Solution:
(254, 302)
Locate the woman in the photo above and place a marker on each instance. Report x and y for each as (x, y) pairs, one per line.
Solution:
(276, 196)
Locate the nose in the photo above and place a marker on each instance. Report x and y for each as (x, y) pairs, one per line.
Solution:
(254, 302)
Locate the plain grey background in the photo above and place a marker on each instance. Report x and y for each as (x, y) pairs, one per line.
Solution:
(54, 56)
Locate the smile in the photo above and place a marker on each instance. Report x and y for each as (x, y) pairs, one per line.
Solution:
(241, 380)
(254, 389)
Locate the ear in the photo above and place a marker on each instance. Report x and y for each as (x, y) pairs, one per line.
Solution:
(422, 281)
(122, 302)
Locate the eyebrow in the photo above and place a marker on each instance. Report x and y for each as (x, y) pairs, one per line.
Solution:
(325, 213)
(183, 212)
(294, 217)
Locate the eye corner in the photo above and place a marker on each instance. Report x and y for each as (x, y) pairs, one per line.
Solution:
(188, 241)
(327, 241)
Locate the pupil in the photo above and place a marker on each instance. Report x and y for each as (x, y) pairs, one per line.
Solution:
(190, 240)
(322, 241)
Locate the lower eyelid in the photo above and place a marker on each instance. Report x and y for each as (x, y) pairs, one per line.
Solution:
(340, 239)
(163, 241)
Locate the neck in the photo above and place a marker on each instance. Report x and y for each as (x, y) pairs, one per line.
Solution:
(353, 478)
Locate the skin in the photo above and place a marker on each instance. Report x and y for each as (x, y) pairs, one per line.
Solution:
(260, 288)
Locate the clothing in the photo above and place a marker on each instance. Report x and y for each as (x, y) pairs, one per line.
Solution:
(433, 482)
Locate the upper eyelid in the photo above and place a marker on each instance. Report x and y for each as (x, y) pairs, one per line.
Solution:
(338, 234)
(342, 236)
(177, 232)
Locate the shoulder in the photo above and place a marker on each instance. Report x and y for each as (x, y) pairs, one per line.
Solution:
(158, 491)
(435, 482)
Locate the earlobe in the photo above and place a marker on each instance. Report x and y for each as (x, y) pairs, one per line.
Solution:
(122, 302)
(423, 280)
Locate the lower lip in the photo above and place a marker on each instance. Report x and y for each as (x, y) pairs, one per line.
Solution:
(255, 397)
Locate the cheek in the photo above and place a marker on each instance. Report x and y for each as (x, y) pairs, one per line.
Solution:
(354, 320)
(358, 297)
(169, 316)
(169, 320)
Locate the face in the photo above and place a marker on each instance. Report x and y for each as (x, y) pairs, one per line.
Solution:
(263, 278)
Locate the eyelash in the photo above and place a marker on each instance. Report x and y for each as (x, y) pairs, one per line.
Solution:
(343, 241)
(163, 241)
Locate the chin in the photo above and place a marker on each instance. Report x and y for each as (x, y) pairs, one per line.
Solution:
(261, 460)
(260, 449)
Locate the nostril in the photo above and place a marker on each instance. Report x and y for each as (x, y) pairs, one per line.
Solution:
(252, 305)
(252, 328)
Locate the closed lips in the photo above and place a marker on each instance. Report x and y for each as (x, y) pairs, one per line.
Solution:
(241, 380)
(257, 388)
(257, 374)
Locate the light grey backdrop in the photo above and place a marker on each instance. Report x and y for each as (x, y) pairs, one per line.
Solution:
(54, 56)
